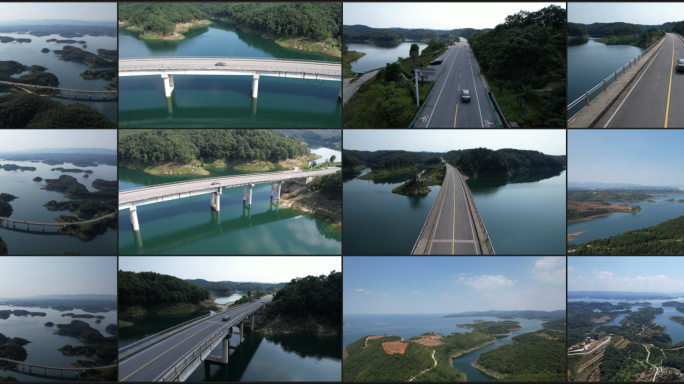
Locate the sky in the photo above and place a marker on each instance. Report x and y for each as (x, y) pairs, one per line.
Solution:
(262, 269)
(634, 13)
(28, 276)
(408, 285)
(434, 15)
(59, 10)
(20, 139)
(650, 157)
(626, 274)
(548, 141)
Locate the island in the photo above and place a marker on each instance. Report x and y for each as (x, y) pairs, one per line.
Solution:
(5, 208)
(419, 183)
(66, 41)
(111, 54)
(81, 316)
(71, 170)
(45, 50)
(70, 53)
(161, 21)
(12, 348)
(38, 178)
(49, 324)
(112, 329)
(7, 39)
(587, 205)
(84, 332)
(107, 74)
(375, 35)
(24, 110)
(3, 247)
(72, 188)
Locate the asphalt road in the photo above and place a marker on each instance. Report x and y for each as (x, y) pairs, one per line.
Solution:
(444, 108)
(654, 98)
(274, 65)
(454, 233)
(150, 363)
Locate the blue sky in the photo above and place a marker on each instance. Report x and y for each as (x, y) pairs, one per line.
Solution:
(626, 274)
(19, 139)
(645, 13)
(643, 156)
(27, 276)
(548, 141)
(59, 10)
(406, 285)
(434, 15)
(263, 269)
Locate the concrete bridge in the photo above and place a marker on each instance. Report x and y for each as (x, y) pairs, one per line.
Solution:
(21, 366)
(132, 198)
(68, 90)
(177, 355)
(167, 67)
(29, 223)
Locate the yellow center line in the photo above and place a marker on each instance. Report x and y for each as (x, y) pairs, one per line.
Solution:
(453, 233)
(455, 115)
(667, 110)
(459, 87)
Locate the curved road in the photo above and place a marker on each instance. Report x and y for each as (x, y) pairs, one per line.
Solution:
(231, 64)
(444, 108)
(150, 363)
(454, 233)
(654, 99)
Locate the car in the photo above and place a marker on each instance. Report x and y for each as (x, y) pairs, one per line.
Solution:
(262, 301)
(220, 64)
(680, 65)
(465, 95)
(437, 62)
(226, 318)
(215, 183)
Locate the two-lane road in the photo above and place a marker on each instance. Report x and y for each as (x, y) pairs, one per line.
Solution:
(655, 97)
(444, 108)
(150, 363)
(329, 68)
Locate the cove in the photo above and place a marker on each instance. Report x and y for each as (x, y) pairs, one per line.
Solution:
(379, 54)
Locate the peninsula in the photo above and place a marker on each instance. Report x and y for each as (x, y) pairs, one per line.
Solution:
(161, 21)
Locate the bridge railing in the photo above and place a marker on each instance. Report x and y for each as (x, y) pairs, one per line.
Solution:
(230, 58)
(583, 101)
(233, 67)
(476, 215)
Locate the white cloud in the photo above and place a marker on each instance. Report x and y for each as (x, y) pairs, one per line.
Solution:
(549, 269)
(551, 277)
(548, 262)
(489, 282)
(460, 279)
(359, 289)
(609, 281)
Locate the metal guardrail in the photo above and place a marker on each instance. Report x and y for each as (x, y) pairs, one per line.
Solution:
(428, 216)
(229, 58)
(496, 115)
(582, 102)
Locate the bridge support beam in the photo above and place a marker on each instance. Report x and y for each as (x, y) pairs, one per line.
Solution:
(255, 86)
(225, 348)
(273, 188)
(169, 105)
(133, 212)
(216, 200)
(168, 84)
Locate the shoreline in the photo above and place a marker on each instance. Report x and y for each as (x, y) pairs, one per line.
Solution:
(178, 32)
(486, 371)
(459, 353)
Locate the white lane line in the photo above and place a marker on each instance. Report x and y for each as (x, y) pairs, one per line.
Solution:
(470, 60)
(470, 216)
(440, 91)
(439, 214)
(635, 84)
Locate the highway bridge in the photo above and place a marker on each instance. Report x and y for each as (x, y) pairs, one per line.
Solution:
(174, 357)
(444, 108)
(21, 366)
(132, 198)
(29, 223)
(167, 67)
(68, 90)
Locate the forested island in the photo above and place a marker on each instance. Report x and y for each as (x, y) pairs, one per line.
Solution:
(36, 75)
(387, 163)
(322, 136)
(586, 205)
(72, 188)
(23, 110)
(69, 53)
(375, 35)
(7, 39)
(419, 183)
(107, 74)
(161, 21)
(12, 348)
(5, 207)
(90, 305)
(503, 162)
(68, 41)
(66, 31)
(620, 33)
(77, 159)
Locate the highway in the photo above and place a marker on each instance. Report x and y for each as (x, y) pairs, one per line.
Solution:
(654, 98)
(444, 108)
(150, 363)
(454, 233)
(327, 68)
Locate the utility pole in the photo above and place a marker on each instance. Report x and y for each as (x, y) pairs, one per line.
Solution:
(417, 97)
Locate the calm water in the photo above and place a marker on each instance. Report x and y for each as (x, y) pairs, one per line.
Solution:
(379, 222)
(590, 63)
(378, 55)
(66, 71)
(619, 222)
(225, 101)
(29, 206)
(523, 214)
(43, 347)
(229, 299)
(407, 326)
(259, 358)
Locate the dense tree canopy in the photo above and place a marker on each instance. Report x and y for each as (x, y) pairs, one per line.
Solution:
(23, 110)
(318, 295)
(159, 17)
(150, 288)
(483, 161)
(375, 35)
(575, 30)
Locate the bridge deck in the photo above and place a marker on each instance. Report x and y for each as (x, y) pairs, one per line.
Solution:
(55, 224)
(268, 65)
(62, 89)
(56, 368)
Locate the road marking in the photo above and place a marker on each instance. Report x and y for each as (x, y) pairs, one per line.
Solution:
(635, 84)
(459, 87)
(440, 211)
(475, 85)
(472, 229)
(453, 231)
(455, 115)
(670, 89)
(440, 92)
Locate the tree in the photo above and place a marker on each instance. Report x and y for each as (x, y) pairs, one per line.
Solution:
(392, 72)
(332, 158)
(345, 49)
(413, 52)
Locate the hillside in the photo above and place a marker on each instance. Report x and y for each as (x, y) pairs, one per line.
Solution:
(166, 21)
(374, 36)
(576, 30)
(503, 162)
(323, 136)
(23, 110)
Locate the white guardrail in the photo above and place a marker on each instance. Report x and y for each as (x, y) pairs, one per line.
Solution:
(228, 67)
(230, 58)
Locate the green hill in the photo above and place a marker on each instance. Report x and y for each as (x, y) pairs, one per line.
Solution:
(159, 20)
(23, 110)
(150, 289)
(375, 36)
(485, 162)
(575, 30)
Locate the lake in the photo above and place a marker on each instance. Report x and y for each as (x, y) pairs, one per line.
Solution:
(619, 222)
(66, 71)
(29, 206)
(225, 101)
(379, 54)
(407, 326)
(191, 227)
(591, 62)
(229, 299)
(43, 347)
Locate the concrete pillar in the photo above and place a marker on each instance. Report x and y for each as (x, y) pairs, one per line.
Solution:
(104, 96)
(90, 95)
(242, 331)
(254, 106)
(138, 239)
(244, 192)
(133, 212)
(252, 327)
(255, 86)
(272, 188)
(280, 184)
(168, 84)
(216, 200)
(169, 105)
(339, 96)
(250, 194)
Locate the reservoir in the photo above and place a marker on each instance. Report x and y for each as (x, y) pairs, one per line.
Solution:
(29, 206)
(225, 101)
(379, 54)
(229, 299)
(591, 62)
(66, 71)
(190, 226)
(408, 326)
(44, 346)
(619, 222)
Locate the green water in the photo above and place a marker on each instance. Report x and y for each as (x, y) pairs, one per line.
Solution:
(66, 71)
(43, 347)
(29, 206)
(224, 101)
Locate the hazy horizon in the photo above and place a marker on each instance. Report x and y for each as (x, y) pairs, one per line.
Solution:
(24, 139)
(625, 274)
(92, 12)
(646, 13)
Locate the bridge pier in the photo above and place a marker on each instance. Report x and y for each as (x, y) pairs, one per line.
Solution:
(216, 200)
(168, 84)
(255, 86)
(169, 105)
(104, 96)
(273, 188)
(133, 212)
(90, 95)
(254, 106)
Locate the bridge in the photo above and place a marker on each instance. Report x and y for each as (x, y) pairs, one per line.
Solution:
(68, 90)
(173, 357)
(21, 365)
(29, 223)
(167, 67)
(132, 198)
(454, 226)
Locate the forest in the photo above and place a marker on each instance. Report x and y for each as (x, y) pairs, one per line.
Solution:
(72, 188)
(5, 207)
(69, 53)
(311, 295)
(608, 196)
(108, 29)
(330, 185)
(373, 36)
(83, 207)
(524, 61)
(149, 288)
(221, 289)
(23, 110)
(503, 162)
(159, 18)
(330, 136)
(158, 146)
(575, 30)
(84, 332)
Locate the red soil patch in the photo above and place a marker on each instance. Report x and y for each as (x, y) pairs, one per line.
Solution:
(392, 347)
(429, 340)
(375, 337)
(571, 235)
(545, 335)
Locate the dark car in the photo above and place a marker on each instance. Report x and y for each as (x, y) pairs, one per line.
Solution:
(436, 62)
(220, 64)
(680, 65)
(226, 318)
(465, 95)
(215, 183)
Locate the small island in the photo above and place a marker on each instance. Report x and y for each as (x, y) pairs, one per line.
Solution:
(66, 41)
(49, 324)
(70, 53)
(418, 184)
(677, 319)
(38, 178)
(161, 21)
(83, 332)
(45, 50)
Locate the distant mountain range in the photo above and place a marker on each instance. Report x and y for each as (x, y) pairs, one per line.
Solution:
(57, 22)
(241, 286)
(617, 295)
(351, 31)
(95, 151)
(68, 297)
(589, 185)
